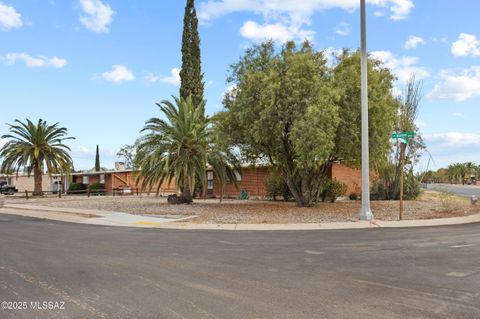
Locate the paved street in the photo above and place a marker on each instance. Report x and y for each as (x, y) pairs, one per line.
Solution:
(461, 190)
(108, 272)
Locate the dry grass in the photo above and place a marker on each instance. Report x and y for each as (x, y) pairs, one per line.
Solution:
(430, 205)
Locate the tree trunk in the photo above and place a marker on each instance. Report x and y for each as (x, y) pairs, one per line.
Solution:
(37, 178)
(299, 199)
(186, 193)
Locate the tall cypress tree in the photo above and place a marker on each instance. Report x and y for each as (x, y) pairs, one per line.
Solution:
(191, 74)
(97, 161)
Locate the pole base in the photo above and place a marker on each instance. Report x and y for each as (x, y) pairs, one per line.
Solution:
(366, 214)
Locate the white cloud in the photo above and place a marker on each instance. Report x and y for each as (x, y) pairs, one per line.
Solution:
(420, 124)
(331, 54)
(174, 78)
(151, 78)
(450, 147)
(35, 62)
(403, 67)
(343, 29)
(97, 16)
(457, 114)
(2, 142)
(400, 8)
(290, 16)
(296, 10)
(452, 139)
(118, 74)
(277, 32)
(466, 45)
(9, 17)
(396, 92)
(413, 41)
(458, 86)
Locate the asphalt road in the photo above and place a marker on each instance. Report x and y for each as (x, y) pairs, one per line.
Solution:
(107, 272)
(461, 190)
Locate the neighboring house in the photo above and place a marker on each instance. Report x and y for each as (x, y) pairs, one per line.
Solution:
(23, 182)
(125, 180)
(251, 180)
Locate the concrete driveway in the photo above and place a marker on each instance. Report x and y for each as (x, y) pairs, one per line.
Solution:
(111, 272)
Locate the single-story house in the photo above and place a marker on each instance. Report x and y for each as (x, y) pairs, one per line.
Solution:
(23, 182)
(117, 179)
(251, 180)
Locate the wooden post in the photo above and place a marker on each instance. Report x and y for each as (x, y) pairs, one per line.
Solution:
(88, 193)
(26, 194)
(402, 160)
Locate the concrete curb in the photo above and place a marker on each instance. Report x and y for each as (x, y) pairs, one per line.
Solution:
(95, 217)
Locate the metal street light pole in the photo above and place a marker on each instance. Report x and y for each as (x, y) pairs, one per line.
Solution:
(365, 212)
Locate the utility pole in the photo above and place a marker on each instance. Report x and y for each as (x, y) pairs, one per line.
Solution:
(365, 212)
(402, 164)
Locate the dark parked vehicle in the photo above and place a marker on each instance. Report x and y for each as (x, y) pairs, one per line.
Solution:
(6, 189)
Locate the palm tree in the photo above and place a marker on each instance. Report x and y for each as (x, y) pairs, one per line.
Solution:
(34, 147)
(180, 147)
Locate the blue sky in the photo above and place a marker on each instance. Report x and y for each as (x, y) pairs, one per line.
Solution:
(98, 67)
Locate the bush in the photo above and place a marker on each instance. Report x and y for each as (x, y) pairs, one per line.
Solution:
(177, 200)
(97, 189)
(411, 187)
(448, 200)
(332, 190)
(276, 186)
(244, 195)
(76, 187)
(378, 191)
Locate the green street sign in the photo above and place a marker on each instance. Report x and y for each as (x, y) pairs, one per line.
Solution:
(403, 135)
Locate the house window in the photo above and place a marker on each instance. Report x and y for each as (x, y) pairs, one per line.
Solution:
(238, 176)
(210, 180)
(85, 180)
(102, 178)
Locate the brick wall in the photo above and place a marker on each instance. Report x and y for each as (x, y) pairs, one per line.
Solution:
(351, 177)
(253, 180)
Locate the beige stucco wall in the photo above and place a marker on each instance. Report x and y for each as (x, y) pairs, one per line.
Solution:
(23, 183)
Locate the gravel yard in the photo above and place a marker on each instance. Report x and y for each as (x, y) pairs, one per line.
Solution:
(431, 205)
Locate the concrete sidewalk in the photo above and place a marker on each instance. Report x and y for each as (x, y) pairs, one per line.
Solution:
(84, 216)
(96, 217)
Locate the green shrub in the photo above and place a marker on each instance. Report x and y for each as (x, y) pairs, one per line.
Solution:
(332, 190)
(244, 195)
(378, 191)
(76, 187)
(276, 186)
(411, 187)
(97, 189)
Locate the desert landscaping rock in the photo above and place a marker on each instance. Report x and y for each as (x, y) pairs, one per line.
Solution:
(211, 211)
